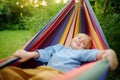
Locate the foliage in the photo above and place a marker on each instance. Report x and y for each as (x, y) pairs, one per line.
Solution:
(41, 17)
(107, 12)
(114, 6)
(10, 13)
(23, 13)
(14, 17)
(110, 24)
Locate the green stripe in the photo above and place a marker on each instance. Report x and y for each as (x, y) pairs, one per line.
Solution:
(2, 65)
(95, 72)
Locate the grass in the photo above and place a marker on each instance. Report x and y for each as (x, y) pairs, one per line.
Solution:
(10, 41)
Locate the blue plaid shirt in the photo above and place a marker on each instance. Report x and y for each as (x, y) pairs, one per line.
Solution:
(64, 58)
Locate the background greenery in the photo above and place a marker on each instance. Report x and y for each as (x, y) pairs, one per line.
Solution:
(20, 21)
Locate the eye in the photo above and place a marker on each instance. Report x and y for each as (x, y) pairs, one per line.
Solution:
(79, 37)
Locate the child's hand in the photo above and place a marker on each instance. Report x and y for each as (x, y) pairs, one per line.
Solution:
(24, 55)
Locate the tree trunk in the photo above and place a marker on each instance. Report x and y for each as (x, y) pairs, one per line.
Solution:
(105, 6)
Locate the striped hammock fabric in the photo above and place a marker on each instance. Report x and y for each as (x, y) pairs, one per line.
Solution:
(76, 17)
(91, 71)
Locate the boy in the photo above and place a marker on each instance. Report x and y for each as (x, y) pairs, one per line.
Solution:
(63, 59)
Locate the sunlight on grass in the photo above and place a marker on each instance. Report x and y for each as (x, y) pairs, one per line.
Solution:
(10, 41)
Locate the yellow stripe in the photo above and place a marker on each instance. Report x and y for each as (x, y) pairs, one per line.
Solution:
(77, 23)
(64, 36)
(71, 31)
(94, 34)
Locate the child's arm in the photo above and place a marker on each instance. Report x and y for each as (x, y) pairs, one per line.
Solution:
(25, 55)
(110, 55)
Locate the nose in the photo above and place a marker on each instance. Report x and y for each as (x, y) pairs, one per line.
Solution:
(80, 40)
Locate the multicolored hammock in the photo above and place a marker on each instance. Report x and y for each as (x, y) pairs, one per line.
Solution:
(76, 17)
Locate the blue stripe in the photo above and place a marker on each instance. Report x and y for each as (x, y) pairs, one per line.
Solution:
(62, 28)
(44, 29)
(97, 23)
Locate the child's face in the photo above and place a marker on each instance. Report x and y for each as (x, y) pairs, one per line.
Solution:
(81, 41)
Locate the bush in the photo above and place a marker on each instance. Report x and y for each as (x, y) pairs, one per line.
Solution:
(111, 26)
(28, 17)
(41, 16)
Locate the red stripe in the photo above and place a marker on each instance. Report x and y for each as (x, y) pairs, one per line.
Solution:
(52, 27)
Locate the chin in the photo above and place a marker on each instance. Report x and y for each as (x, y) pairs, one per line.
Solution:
(75, 47)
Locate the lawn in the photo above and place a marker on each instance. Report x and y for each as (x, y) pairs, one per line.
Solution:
(10, 41)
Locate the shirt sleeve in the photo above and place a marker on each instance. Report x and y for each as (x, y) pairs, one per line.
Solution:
(46, 53)
(89, 55)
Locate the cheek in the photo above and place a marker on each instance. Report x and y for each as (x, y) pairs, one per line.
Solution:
(73, 44)
(83, 46)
